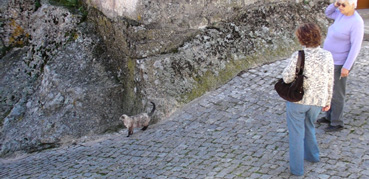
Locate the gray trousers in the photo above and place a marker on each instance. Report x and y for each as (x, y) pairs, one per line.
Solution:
(338, 100)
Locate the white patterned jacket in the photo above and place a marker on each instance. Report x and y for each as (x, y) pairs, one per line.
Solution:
(319, 72)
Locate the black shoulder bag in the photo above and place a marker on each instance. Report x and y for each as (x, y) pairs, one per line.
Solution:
(293, 91)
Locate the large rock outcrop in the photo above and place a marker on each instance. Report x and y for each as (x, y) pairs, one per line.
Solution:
(55, 87)
(67, 74)
(173, 63)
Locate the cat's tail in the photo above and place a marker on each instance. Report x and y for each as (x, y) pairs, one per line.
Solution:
(153, 109)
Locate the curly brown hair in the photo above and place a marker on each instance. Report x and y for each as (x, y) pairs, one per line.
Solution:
(309, 35)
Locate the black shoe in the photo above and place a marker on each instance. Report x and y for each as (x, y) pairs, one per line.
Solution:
(323, 120)
(333, 128)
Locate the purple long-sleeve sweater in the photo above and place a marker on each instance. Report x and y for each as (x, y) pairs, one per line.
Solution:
(344, 36)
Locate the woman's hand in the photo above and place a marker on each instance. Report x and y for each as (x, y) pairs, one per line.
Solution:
(335, 4)
(325, 109)
(344, 72)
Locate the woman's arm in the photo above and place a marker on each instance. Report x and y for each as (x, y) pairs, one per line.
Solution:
(330, 79)
(290, 70)
(356, 38)
(331, 11)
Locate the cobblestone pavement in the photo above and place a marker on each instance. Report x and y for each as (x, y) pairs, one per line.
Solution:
(365, 15)
(236, 131)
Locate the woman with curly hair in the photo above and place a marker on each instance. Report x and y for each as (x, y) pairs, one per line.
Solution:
(318, 87)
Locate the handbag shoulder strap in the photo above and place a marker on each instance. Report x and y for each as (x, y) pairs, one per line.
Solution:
(300, 63)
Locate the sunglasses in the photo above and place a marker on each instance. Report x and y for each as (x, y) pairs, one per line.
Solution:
(341, 4)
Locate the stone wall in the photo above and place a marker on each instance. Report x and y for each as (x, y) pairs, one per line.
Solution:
(186, 14)
(171, 13)
(173, 63)
(64, 75)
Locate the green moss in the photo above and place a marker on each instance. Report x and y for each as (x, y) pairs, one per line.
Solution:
(4, 50)
(129, 85)
(84, 13)
(131, 68)
(72, 35)
(210, 81)
(67, 3)
(75, 6)
(17, 38)
(3, 118)
(37, 4)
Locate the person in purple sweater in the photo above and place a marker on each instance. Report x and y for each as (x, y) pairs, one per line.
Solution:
(343, 40)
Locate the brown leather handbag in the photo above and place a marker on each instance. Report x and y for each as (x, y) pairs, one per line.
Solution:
(293, 91)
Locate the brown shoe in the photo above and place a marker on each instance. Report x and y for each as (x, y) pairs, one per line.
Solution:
(323, 120)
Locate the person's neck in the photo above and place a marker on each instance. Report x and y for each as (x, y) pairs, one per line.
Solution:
(350, 13)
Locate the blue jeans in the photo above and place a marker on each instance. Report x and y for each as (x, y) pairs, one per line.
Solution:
(302, 140)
